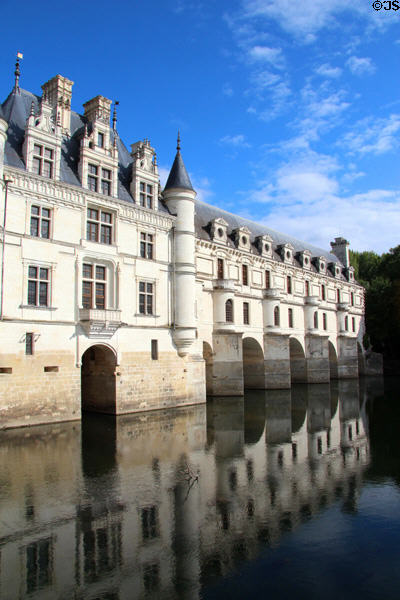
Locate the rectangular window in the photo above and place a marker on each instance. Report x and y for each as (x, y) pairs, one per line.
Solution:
(149, 522)
(146, 195)
(99, 226)
(43, 160)
(323, 292)
(352, 298)
(338, 295)
(346, 323)
(246, 316)
(245, 275)
(38, 286)
(220, 268)
(353, 324)
(289, 284)
(99, 180)
(100, 140)
(146, 245)
(29, 339)
(290, 317)
(146, 296)
(307, 285)
(154, 349)
(324, 321)
(267, 280)
(39, 565)
(40, 221)
(94, 286)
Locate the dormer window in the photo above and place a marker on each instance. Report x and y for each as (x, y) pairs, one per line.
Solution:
(97, 183)
(286, 252)
(264, 245)
(218, 230)
(146, 195)
(304, 258)
(43, 160)
(242, 238)
(335, 268)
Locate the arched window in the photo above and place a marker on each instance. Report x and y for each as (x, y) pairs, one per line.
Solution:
(276, 316)
(229, 311)
(316, 320)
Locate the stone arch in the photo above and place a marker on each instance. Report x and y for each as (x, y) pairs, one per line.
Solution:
(253, 364)
(298, 371)
(208, 357)
(361, 359)
(98, 389)
(333, 361)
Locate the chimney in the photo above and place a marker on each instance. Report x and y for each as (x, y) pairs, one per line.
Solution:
(98, 109)
(340, 248)
(57, 92)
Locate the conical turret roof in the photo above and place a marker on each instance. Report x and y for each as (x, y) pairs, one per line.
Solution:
(178, 176)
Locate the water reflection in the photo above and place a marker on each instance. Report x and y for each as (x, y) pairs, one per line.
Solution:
(162, 504)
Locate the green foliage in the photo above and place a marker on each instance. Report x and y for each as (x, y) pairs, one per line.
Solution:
(380, 275)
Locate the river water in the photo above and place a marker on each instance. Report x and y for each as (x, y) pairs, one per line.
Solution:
(280, 494)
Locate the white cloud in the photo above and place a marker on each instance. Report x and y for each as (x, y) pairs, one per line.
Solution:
(235, 140)
(360, 66)
(227, 90)
(376, 136)
(266, 54)
(326, 70)
(304, 19)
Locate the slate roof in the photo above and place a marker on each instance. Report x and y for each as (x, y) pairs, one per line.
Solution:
(178, 176)
(16, 110)
(205, 213)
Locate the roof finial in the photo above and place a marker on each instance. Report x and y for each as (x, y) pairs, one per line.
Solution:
(17, 71)
(115, 115)
(32, 113)
(178, 142)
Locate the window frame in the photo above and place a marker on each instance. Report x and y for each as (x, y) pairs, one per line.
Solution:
(94, 284)
(38, 220)
(245, 274)
(38, 285)
(229, 315)
(146, 298)
(99, 230)
(290, 318)
(146, 245)
(246, 313)
(99, 179)
(42, 160)
(146, 194)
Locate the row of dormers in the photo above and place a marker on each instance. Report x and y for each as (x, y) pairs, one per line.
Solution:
(241, 237)
(98, 155)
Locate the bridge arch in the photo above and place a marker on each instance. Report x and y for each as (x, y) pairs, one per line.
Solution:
(298, 371)
(253, 364)
(208, 357)
(98, 389)
(333, 361)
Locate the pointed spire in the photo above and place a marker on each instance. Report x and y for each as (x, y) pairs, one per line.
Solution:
(114, 126)
(17, 72)
(178, 176)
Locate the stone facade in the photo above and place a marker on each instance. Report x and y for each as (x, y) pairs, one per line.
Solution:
(117, 296)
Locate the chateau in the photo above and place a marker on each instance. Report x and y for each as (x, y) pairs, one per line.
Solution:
(118, 296)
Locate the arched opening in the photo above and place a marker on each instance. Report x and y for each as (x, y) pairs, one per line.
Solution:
(277, 317)
(361, 359)
(298, 372)
(253, 365)
(98, 380)
(333, 361)
(208, 357)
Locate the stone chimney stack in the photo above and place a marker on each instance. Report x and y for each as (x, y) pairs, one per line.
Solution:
(98, 109)
(340, 248)
(57, 92)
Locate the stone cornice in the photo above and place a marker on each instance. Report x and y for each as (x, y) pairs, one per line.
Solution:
(30, 185)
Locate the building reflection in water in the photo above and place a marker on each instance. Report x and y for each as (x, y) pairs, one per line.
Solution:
(160, 504)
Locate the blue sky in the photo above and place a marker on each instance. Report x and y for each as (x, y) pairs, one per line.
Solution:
(289, 111)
